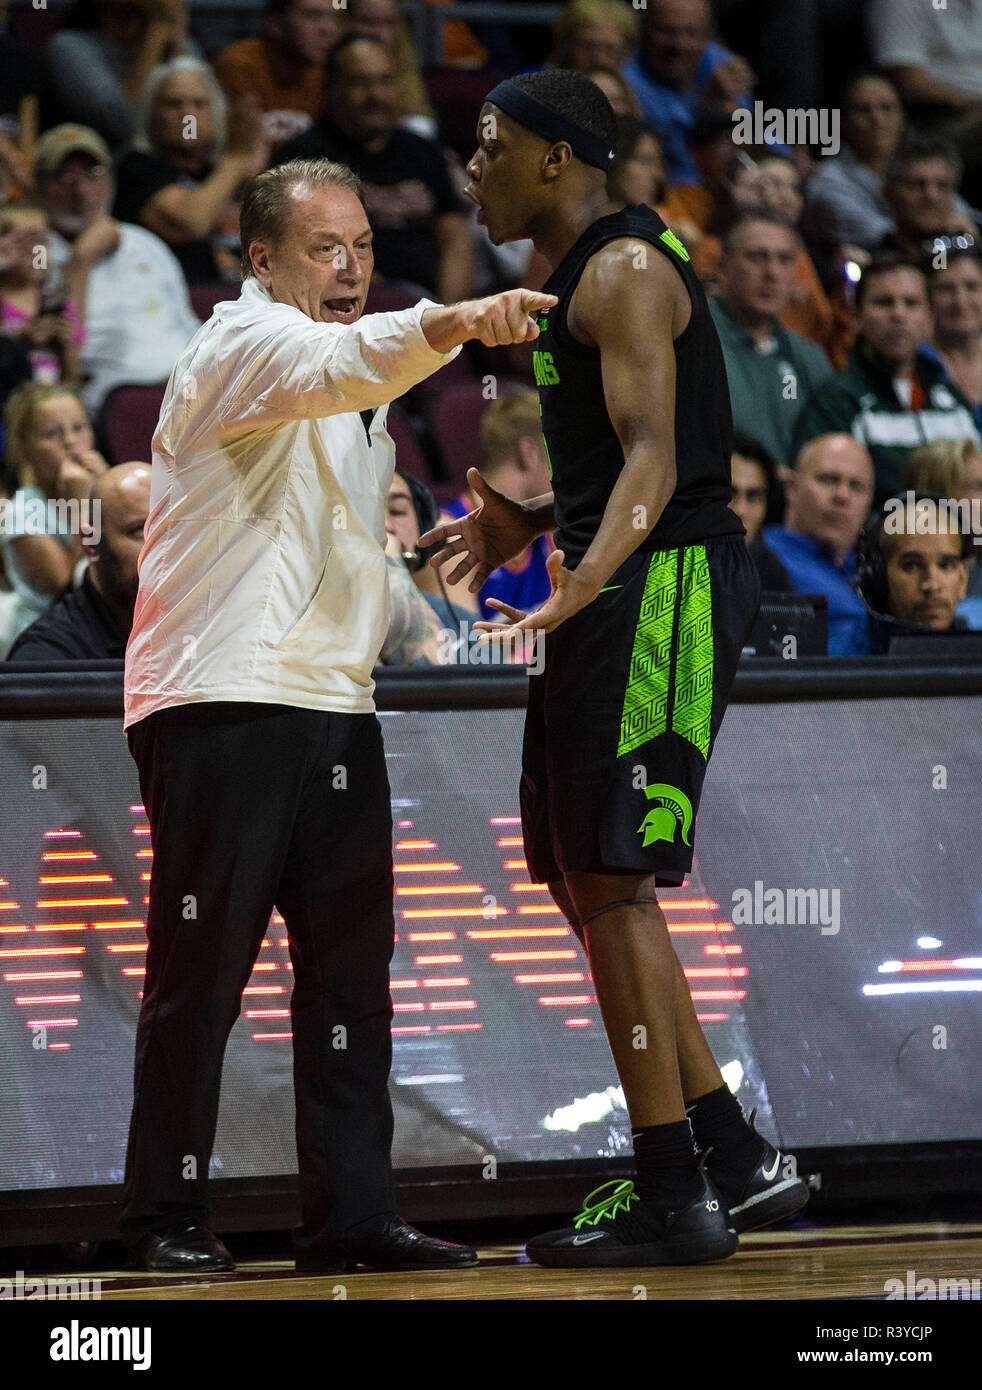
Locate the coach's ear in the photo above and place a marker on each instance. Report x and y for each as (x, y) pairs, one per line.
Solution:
(259, 260)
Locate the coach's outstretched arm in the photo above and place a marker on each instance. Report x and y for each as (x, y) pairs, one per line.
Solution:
(497, 321)
(281, 365)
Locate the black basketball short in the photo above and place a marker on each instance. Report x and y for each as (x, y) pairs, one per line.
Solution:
(621, 721)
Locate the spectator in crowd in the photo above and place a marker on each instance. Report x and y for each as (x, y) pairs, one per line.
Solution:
(92, 622)
(828, 498)
(424, 606)
(845, 206)
(98, 65)
(181, 178)
(383, 21)
(50, 443)
(20, 82)
(594, 34)
(513, 462)
(421, 235)
(125, 283)
(914, 575)
(677, 70)
(758, 500)
(615, 88)
(766, 178)
(637, 172)
(892, 396)
(771, 369)
(956, 300)
(284, 68)
(922, 192)
(934, 55)
(951, 468)
(31, 307)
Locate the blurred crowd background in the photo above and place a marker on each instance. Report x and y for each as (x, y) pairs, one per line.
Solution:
(841, 254)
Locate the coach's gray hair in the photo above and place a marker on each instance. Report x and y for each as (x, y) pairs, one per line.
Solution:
(266, 200)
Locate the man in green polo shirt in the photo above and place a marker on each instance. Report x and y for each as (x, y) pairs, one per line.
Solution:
(771, 370)
(893, 396)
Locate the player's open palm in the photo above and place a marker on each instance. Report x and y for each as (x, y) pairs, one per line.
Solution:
(569, 594)
(495, 532)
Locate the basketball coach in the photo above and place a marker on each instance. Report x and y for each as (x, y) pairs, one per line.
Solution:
(262, 608)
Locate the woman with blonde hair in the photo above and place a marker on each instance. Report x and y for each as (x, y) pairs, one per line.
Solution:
(50, 447)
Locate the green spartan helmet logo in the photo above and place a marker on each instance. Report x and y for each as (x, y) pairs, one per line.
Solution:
(674, 808)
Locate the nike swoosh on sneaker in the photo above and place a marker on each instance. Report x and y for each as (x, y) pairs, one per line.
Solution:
(584, 1240)
(770, 1176)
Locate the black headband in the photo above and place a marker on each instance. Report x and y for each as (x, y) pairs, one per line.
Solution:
(530, 113)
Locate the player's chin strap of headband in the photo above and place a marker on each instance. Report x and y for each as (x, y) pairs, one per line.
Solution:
(530, 113)
(622, 902)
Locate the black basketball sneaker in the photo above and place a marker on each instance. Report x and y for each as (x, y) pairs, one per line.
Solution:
(759, 1191)
(616, 1228)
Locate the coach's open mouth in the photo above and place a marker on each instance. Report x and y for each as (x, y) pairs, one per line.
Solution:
(344, 309)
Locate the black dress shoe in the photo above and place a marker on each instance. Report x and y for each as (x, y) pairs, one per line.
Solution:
(188, 1250)
(396, 1245)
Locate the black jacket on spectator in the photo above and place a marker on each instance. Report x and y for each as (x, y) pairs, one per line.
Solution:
(77, 627)
(141, 175)
(407, 187)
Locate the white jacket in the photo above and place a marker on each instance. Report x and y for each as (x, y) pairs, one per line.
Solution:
(262, 574)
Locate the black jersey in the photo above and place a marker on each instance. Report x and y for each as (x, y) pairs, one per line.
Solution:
(585, 454)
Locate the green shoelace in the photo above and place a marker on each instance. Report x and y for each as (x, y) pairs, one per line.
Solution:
(597, 1208)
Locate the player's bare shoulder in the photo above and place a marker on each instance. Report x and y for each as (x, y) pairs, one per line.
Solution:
(628, 278)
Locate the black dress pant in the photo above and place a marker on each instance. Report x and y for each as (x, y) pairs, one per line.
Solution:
(251, 806)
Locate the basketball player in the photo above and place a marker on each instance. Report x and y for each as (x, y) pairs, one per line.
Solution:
(653, 595)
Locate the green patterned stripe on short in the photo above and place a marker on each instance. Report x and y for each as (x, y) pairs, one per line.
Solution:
(645, 714)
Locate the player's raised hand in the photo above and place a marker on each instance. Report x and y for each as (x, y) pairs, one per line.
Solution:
(495, 532)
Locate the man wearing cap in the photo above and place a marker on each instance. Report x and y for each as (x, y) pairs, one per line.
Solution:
(126, 284)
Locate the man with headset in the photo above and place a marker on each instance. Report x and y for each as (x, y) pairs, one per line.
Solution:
(912, 568)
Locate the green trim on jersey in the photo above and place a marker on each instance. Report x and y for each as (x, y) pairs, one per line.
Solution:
(545, 445)
(693, 710)
(673, 243)
(645, 713)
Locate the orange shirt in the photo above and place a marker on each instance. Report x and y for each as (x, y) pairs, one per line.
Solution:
(245, 68)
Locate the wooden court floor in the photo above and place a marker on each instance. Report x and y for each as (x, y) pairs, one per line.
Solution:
(832, 1262)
